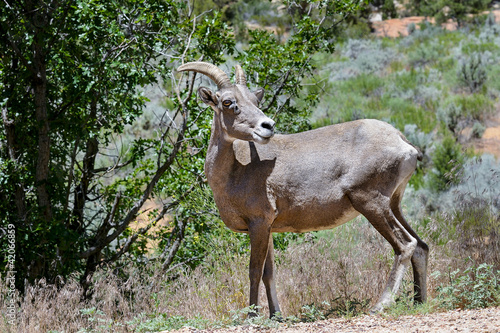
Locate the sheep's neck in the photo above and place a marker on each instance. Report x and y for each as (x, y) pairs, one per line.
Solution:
(220, 156)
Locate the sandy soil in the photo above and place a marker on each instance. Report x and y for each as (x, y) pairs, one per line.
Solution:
(399, 27)
(490, 141)
(474, 321)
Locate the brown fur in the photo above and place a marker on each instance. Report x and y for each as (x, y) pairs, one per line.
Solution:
(308, 181)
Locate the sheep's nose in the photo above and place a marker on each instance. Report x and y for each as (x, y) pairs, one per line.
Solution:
(268, 125)
(266, 129)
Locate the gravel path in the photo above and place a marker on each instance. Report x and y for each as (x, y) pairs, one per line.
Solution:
(481, 320)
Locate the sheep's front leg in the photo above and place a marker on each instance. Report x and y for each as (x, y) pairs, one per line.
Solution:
(268, 278)
(259, 245)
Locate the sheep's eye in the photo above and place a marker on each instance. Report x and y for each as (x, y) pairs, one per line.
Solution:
(227, 103)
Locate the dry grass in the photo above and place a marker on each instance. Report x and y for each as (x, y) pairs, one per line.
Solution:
(346, 267)
(334, 267)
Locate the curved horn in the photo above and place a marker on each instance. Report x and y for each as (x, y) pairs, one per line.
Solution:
(240, 75)
(213, 72)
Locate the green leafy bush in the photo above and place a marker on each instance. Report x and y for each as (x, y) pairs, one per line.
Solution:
(472, 72)
(411, 28)
(450, 114)
(475, 106)
(447, 162)
(425, 54)
(464, 218)
(475, 287)
(460, 111)
(478, 129)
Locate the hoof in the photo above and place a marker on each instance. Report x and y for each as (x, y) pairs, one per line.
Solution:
(252, 315)
(381, 306)
(277, 316)
(376, 309)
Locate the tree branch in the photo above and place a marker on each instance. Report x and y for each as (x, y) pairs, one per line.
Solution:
(19, 195)
(133, 212)
(143, 230)
(111, 168)
(278, 91)
(178, 233)
(39, 81)
(18, 53)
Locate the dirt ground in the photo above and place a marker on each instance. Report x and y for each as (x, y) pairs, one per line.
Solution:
(473, 321)
(490, 141)
(399, 27)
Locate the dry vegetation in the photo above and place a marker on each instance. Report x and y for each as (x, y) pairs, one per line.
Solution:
(327, 275)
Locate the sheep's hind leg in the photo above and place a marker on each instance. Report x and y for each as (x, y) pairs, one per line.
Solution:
(376, 208)
(420, 257)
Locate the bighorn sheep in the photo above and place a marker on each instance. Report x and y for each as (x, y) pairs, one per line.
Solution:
(319, 179)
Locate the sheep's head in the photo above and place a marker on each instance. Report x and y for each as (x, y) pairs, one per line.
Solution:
(236, 107)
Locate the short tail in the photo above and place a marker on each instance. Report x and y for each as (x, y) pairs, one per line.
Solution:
(420, 155)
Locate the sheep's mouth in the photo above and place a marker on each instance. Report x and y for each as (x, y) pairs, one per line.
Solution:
(262, 138)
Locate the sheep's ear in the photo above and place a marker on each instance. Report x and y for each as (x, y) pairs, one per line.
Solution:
(259, 93)
(207, 96)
